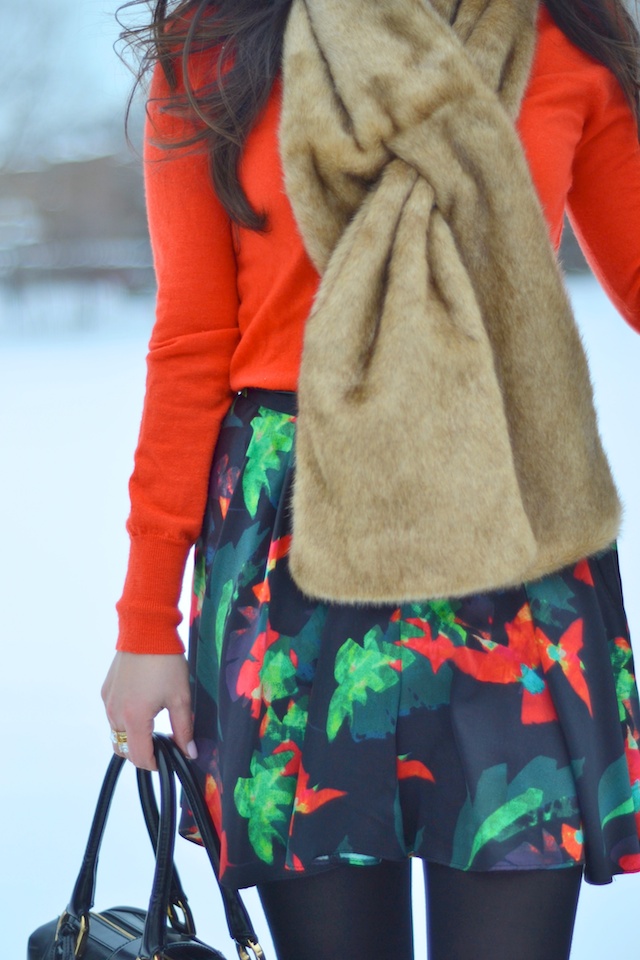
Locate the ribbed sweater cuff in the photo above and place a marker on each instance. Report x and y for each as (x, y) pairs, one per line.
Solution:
(148, 609)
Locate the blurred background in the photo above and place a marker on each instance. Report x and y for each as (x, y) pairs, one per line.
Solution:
(72, 228)
(76, 308)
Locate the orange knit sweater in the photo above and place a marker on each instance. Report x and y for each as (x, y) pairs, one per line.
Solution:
(232, 303)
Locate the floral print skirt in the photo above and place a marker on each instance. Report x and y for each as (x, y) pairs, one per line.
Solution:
(493, 732)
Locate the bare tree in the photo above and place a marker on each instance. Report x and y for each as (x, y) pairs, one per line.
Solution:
(27, 60)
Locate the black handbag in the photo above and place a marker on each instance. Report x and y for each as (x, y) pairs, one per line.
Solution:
(165, 931)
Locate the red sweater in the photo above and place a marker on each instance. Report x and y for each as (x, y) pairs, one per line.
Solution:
(232, 303)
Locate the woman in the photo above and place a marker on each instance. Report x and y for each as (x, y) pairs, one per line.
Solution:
(446, 448)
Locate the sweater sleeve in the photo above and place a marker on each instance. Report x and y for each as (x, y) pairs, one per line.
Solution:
(187, 388)
(603, 203)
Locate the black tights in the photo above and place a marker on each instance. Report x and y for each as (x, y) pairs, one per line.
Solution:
(365, 912)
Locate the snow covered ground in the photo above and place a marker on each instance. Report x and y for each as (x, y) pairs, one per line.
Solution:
(70, 396)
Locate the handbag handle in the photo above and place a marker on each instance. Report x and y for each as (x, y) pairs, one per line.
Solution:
(83, 891)
(166, 881)
(180, 915)
(154, 937)
(171, 760)
(82, 896)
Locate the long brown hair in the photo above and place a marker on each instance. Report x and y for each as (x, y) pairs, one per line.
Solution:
(247, 37)
(605, 30)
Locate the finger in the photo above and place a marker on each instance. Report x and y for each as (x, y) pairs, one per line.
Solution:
(117, 725)
(139, 742)
(118, 737)
(181, 720)
(119, 741)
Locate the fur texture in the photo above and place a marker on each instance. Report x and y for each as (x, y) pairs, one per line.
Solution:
(447, 441)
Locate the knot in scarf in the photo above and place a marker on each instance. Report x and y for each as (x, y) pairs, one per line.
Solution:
(447, 441)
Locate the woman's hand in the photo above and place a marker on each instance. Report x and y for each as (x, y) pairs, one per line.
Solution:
(137, 687)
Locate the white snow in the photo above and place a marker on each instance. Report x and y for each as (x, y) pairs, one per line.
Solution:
(70, 396)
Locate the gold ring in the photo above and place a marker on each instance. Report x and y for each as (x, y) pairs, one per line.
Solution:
(119, 738)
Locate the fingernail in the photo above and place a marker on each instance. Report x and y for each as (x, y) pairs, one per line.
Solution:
(192, 750)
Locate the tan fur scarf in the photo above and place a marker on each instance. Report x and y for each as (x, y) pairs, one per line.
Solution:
(447, 440)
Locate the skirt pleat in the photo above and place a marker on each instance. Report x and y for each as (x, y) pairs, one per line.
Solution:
(491, 732)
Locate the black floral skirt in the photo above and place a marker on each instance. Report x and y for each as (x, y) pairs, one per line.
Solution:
(493, 732)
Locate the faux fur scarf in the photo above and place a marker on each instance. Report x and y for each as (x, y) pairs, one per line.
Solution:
(447, 440)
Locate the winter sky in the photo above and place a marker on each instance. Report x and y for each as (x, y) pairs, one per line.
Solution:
(63, 86)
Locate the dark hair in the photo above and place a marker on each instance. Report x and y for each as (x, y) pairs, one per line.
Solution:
(247, 37)
(605, 30)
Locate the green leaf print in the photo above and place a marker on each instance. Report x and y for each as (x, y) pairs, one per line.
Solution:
(361, 671)
(422, 687)
(306, 644)
(501, 824)
(381, 679)
(621, 658)
(230, 558)
(501, 809)
(441, 617)
(272, 436)
(199, 581)
(222, 615)
(278, 675)
(548, 598)
(345, 852)
(264, 799)
(221, 596)
(614, 783)
(626, 807)
(291, 727)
